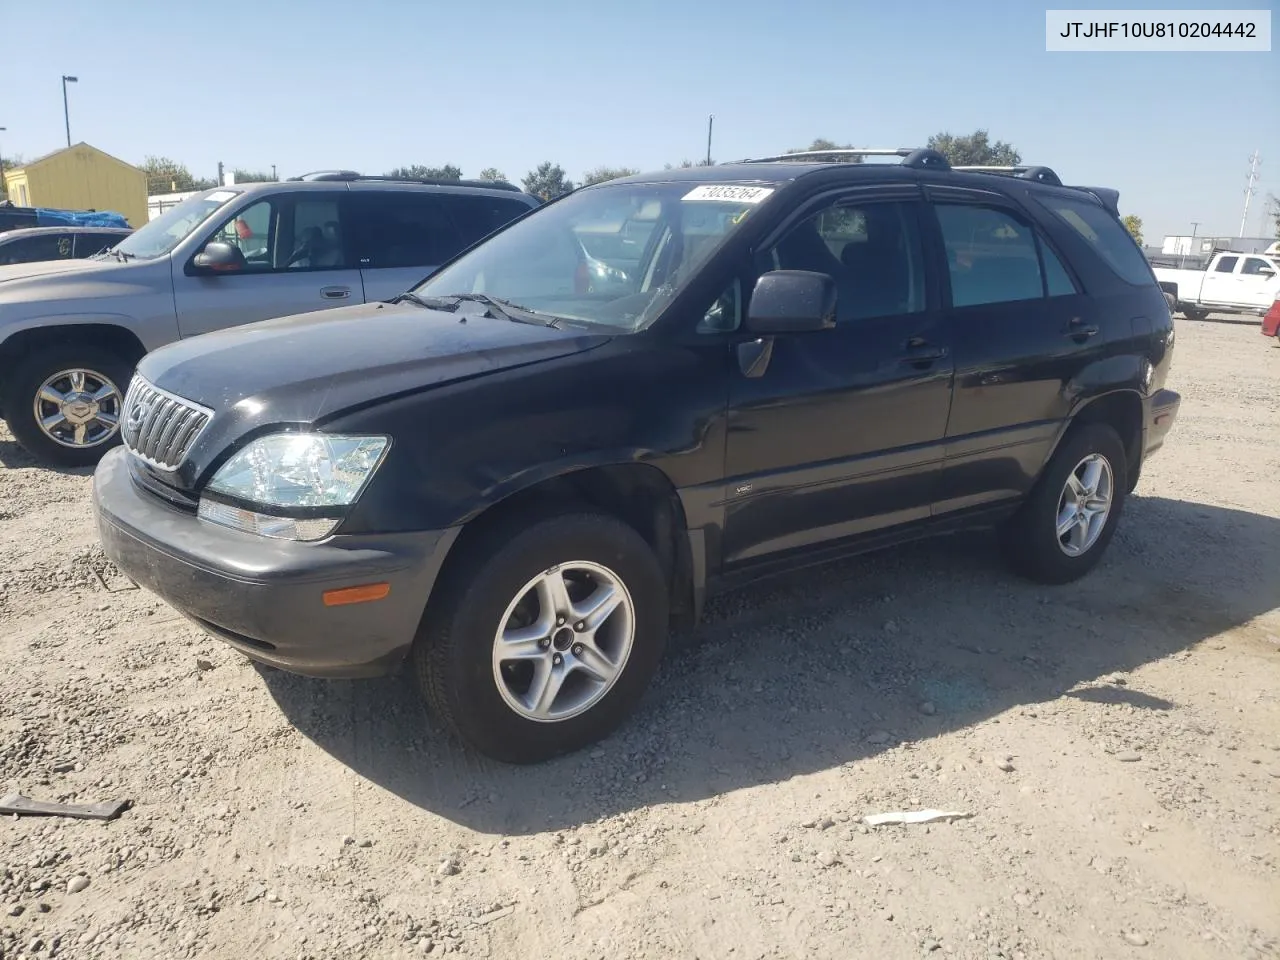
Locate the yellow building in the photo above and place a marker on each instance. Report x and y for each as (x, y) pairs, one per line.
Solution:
(80, 178)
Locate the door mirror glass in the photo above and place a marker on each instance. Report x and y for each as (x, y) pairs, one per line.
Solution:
(219, 257)
(792, 301)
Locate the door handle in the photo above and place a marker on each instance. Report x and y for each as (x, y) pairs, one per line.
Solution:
(921, 351)
(1077, 329)
(335, 293)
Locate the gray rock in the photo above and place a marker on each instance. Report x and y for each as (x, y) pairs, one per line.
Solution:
(1003, 763)
(826, 823)
(77, 883)
(1135, 938)
(878, 737)
(886, 916)
(203, 665)
(929, 946)
(928, 709)
(14, 910)
(448, 867)
(366, 843)
(891, 626)
(1128, 756)
(256, 891)
(827, 858)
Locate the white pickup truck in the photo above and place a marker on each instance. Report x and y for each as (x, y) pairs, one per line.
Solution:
(1233, 283)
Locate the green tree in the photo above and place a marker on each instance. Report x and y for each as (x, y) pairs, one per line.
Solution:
(688, 164)
(1133, 224)
(547, 181)
(252, 176)
(604, 174)
(493, 174)
(821, 143)
(419, 172)
(974, 150)
(8, 163)
(168, 176)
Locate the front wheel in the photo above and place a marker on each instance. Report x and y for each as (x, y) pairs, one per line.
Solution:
(64, 403)
(543, 642)
(1061, 531)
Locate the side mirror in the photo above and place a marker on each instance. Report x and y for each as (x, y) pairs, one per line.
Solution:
(219, 257)
(1264, 272)
(792, 301)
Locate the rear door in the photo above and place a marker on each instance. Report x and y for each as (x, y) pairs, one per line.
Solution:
(43, 246)
(297, 258)
(400, 237)
(1221, 283)
(1021, 329)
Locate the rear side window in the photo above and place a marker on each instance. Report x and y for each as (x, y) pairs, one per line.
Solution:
(476, 217)
(1106, 235)
(1226, 265)
(48, 246)
(404, 229)
(991, 256)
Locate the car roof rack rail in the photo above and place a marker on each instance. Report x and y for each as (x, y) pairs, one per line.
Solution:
(1039, 174)
(351, 176)
(918, 158)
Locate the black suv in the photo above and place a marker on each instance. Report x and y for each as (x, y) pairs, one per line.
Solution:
(522, 472)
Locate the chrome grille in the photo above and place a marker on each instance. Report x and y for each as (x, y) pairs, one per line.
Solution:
(160, 427)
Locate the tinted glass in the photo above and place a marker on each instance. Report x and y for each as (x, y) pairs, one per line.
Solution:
(404, 229)
(1254, 266)
(476, 217)
(543, 263)
(872, 251)
(1226, 264)
(1106, 235)
(314, 236)
(1056, 277)
(90, 244)
(31, 249)
(991, 256)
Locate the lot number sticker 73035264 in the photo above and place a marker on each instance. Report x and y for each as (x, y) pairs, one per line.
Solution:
(728, 193)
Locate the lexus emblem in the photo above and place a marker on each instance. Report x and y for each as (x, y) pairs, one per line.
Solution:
(137, 416)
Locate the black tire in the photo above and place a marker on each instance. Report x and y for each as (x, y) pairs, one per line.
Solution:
(1191, 313)
(30, 373)
(453, 653)
(1030, 540)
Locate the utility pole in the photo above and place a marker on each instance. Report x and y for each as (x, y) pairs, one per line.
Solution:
(273, 172)
(66, 113)
(1195, 225)
(220, 183)
(1250, 190)
(2, 130)
(710, 121)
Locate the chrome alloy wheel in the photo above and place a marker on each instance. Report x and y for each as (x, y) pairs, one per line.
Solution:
(563, 641)
(78, 408)
(1085, 505)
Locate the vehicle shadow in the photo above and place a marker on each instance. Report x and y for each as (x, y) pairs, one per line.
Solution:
(830, 666)
(13, 457)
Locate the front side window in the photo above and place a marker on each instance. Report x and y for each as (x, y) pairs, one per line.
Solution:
(871, 250)
(173, 226)
(286, 233)
(1256, 266)
(1106, 235)
(991, 255)
(614, 255)
(1226, 265)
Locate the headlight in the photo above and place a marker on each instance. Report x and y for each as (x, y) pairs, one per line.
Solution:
(297, 474)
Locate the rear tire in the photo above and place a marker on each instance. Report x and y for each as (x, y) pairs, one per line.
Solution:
(76, 432)
(1191, 313)
(496, 636)
(1062, 530)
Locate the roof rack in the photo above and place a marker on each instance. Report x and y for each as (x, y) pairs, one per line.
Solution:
(920, 158)
(351, 176)
(1036, 173)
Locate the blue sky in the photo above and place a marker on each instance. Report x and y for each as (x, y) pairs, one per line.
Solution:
(380, 84)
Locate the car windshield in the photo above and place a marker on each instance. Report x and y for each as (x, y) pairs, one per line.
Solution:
(613, 255)
(169, 229)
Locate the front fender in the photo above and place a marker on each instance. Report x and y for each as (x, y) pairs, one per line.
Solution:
(151, 334)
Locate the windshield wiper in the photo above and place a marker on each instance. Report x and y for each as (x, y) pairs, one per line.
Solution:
(506, 310)
(431, 303)
(122, 256)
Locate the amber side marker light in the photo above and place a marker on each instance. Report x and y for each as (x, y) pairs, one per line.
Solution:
(360, 594)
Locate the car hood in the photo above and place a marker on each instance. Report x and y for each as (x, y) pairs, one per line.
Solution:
(76, 280)
(309, 368)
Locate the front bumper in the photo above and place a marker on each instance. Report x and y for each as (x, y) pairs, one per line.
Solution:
(263, 596)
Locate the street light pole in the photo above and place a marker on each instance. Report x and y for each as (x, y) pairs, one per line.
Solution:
(66, 113)
(710, 121)
(2, 130)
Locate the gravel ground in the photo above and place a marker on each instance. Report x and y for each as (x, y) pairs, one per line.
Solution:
(1115, 743)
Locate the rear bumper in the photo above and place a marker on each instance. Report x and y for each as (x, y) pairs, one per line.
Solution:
(1162, 411)
(265, 597)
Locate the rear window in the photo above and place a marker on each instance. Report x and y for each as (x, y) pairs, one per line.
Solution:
(1106, 235)
(478, 216)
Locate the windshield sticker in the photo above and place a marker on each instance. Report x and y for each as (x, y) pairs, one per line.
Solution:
(728, 193)
(221, 196)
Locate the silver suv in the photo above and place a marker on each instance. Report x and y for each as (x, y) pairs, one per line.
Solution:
(72, 331)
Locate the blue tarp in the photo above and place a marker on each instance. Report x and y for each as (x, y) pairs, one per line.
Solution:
(47, 217)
